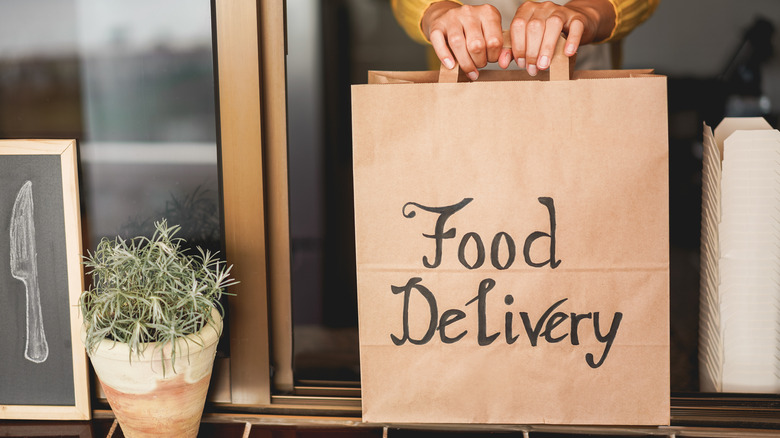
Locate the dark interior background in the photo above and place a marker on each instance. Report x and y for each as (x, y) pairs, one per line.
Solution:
(718, 56)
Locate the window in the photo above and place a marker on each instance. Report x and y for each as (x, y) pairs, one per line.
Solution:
(134, 83)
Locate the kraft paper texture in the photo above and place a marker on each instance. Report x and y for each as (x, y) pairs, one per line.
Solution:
(512, 248)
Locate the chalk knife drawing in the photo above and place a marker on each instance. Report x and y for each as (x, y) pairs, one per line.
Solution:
(24, 267)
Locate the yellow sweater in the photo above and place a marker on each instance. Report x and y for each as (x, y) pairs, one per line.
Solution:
(629, 14)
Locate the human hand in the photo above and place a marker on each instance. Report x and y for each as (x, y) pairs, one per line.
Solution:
(536, 27)
(468, 35)
(472, 36)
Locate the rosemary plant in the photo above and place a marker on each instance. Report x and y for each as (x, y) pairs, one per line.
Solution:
(150, 290)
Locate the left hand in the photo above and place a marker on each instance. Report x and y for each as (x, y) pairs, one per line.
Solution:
(536, 27)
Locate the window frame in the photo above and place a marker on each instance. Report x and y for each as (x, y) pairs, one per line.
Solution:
(240, 141)
(250, 47)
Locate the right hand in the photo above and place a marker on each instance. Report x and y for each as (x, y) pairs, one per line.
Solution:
(468, 35)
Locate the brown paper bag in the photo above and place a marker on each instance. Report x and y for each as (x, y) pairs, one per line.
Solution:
(512, 248)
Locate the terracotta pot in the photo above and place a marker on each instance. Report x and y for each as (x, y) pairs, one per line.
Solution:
(150, 395)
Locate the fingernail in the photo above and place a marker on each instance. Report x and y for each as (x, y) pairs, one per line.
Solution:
(520, 62)
(507, 58)
(571, 49)
(473, 75)
(531, 68)
(543, 63)
(448, 63)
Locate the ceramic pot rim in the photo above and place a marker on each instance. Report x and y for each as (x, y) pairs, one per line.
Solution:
(150, 351)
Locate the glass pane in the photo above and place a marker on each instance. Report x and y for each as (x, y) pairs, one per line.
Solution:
(133, 81)
(331, 45)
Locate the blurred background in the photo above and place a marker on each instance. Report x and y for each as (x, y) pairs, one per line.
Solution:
(134, 82)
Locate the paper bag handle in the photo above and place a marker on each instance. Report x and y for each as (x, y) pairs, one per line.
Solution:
(561, 66)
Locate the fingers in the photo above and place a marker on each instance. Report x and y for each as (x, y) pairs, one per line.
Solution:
(494, 38)
(505, 58)
(574, 37)
(550, 35)
(536, 28)
(518, 31)
(471, 35)
(441, 49)
(475, 45)
(456, 39)
(468, 35)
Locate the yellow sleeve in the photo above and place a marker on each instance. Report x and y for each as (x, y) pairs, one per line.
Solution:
(409, 14)
(630, 14)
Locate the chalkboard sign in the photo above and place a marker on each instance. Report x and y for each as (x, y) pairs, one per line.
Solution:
(43, 365)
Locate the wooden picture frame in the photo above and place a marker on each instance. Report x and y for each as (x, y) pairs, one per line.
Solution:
(43, 364)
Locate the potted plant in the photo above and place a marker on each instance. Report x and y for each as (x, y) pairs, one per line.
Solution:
(152, 318)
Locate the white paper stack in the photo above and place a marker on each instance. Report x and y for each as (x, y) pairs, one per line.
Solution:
(740, 275)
